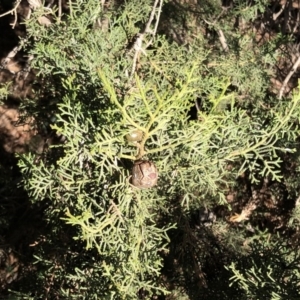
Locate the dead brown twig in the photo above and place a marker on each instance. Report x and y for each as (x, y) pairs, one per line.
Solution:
(249, 207)
(13, 11)
(219, 31)
(139, 41)
(288, 77)
(5, 61)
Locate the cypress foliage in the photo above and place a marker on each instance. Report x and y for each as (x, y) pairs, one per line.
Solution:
(208, 121)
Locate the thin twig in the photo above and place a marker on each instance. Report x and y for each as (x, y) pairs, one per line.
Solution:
(217, 18)
(296, 22)
(197, 105)
(219, 31)
(49, 5)
(223, 40)
(26, 70)
(288, 77)
(15, 21)
(139, 40)
(147, 29)
(13, 11)
(287, 15)
(156, 24)
(275, 16)
(59, 9)
(5, 61)
(70, 8)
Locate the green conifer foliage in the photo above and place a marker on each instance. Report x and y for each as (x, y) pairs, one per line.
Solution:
(110, 239)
